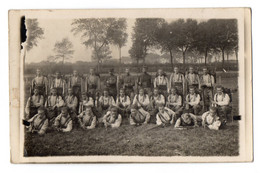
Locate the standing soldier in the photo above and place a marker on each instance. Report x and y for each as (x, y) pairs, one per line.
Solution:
(192, 79)
(207, 82)
(76, 83)
(145, 81)
(59, 84)
(161, 82)
(177, 80)
(128, 83)
(193, 101)
(40, 82)
(92, 83)
(112, 83)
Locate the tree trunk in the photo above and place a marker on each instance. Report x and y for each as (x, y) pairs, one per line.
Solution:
(223, 57)
(171, 59)
(120, 60)
(183, 56)
(206, 55)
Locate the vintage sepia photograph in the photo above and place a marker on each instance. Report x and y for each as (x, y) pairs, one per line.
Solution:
(131, 85)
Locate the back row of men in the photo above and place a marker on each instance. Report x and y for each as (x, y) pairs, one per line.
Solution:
(146, 101)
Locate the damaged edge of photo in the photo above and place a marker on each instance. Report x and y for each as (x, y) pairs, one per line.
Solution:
(18, 86)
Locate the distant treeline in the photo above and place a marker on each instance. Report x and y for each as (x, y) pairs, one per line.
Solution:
(83, 67)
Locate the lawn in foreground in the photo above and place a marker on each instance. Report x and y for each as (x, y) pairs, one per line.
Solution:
(137, 141)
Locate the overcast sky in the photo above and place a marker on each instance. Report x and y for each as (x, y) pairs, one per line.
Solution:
(56, 30)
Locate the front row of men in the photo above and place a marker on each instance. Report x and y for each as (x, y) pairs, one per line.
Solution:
(62, 115)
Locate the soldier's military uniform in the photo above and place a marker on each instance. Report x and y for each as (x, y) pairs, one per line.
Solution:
(111, 85)
(77, 85)
(211, 120)
(112, 119)
(207, 82)
(165, 116)
(194, 103)
(222, 105)
(162, 83)
(192, 79)
(60, 85)
(32, 105)
(128, 84)
(92, 84)
(38, 123)
(54, 103)
(87, 119)
(155, 101)
(71, 102)
(138, 116)
(123, 104)
(186, 119)
(174, 102)
(142, 101)
(145, 81)
(41, 83)
(177, 80)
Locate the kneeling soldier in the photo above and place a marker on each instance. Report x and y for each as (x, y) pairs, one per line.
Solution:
(33, 103)
(112, 118)
(39, 122)
(53, 104)
(165, 116)
(104, 102)
(186, 119)
(141, 100)
(63, 122)
(174, 102)
(87, 119)
(123, 103)
(138, 116)
(193, 101)
(210, 119)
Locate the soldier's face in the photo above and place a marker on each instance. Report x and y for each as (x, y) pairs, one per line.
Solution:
(75, 73)
(219, 90)
(161, 109)
(41, 113)
(133, 111)
(176, 70)
(54, 92)
(205, 71)
(58, 75)
(186, 118)
(141, 92)
(84, 97)
(173, 91)
(192, 91)
(105, 93)
(191, 70)
(122, 93)
(155, 92)
(70, 92)
(144, 70)
(113, 113)
(160, 72)
(91, 71)
(36, 91)
(38, 72)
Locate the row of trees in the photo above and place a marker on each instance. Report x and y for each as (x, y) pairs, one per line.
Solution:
(212, 36)
(179, 36)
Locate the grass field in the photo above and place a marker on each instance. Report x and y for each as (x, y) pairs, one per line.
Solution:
(142, 140)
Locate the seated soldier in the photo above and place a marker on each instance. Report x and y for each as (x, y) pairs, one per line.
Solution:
(39, 122)
(186, 119)
(104, 102)
(193, 101)
(155, 100)
(138, 116)
(210, 119)
(141, 100)
(33, 103)
(54, 103)
(165, 116)
(221, 102)
(87, 119)
(123, 103)
(174, 101)
(85, 102)
(71, 102)
(112, 118)
(63, 122)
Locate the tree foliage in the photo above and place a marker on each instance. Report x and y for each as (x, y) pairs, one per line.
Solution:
(34, 33)
(63, 50)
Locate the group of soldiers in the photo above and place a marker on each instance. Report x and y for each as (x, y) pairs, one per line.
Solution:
(180, 100)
